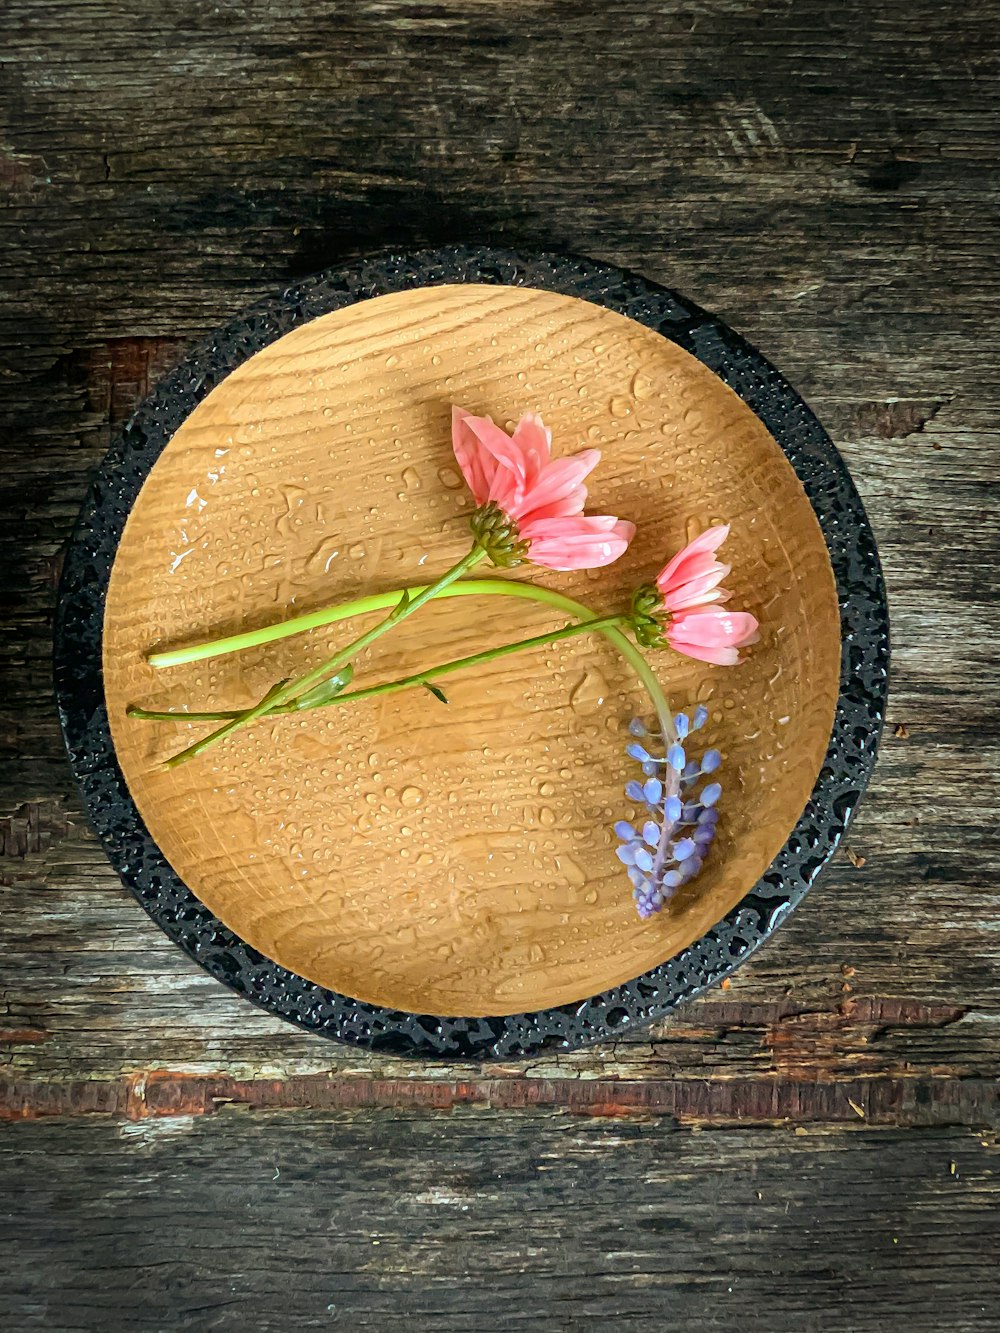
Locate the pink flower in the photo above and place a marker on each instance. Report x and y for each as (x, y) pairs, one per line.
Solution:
(543, 496)
(690, 586)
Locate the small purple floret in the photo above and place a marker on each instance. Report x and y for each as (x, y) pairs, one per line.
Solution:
(676, 758)
(711, 793)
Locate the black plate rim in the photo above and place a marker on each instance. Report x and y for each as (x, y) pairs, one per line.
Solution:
(850, 758)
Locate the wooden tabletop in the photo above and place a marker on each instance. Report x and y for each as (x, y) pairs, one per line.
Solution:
(814, 1146)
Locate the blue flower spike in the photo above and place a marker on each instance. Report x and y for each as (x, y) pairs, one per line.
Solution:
(666, 847)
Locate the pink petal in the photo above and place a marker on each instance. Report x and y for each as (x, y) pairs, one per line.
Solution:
(534, 439)
(691, 567)
(573, 525)
(580, 549)
(718, 656)
(714, 628)
(562, 481)
(568, 508)
(678, 602)
(680, 597)
(498, 443)
(478, 466)
(693, 559)
(507, 490)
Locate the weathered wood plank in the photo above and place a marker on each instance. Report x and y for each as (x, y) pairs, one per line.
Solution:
(534, 1220)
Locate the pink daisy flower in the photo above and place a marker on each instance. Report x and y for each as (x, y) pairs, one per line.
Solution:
(543, 497)
(690, 587)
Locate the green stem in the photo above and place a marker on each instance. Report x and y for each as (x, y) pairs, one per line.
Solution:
(379, 601)
(405, 606)
(601, 623)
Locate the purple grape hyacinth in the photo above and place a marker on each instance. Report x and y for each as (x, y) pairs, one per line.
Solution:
(667, 844)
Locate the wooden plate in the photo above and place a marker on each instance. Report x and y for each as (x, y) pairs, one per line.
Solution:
(458, 859)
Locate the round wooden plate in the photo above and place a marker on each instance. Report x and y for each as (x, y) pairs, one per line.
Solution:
(424, 859)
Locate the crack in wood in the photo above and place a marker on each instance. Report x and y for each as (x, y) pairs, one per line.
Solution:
(891, 419)
(120, 372)
(762, 1101)
(34, 827)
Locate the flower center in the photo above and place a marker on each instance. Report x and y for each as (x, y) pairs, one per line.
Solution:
(496, 534)
(648, 629)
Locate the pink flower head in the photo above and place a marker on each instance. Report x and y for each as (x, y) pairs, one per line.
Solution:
(543, 496)
(690, 588)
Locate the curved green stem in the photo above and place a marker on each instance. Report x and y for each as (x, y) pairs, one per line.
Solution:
(602, 624)
(405, 606)
(379, 602)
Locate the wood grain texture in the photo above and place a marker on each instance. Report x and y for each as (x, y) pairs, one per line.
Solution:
(827, 181)
(367, 1219)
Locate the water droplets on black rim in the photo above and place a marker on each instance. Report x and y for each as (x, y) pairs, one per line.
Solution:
(845, 773)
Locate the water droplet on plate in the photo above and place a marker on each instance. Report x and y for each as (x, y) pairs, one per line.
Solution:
(449, 478)
(589, 692)
(572, 870)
